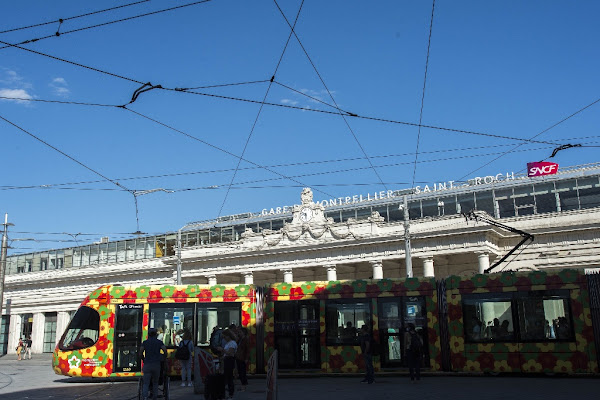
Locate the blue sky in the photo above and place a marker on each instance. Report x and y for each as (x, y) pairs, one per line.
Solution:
(504, 68)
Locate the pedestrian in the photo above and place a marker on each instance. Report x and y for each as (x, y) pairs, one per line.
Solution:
(413, 352)
(186, 365)
(366, 347)
(20, 348)
(229, 351)
(152, 351)
(28, 343)
(242, 356)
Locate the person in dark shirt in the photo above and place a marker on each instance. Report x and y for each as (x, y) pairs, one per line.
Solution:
(366, 347)
(151, 355)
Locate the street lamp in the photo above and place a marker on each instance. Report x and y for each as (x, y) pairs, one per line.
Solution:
(3, 260)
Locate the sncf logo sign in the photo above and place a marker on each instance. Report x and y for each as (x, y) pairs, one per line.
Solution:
(541, 168)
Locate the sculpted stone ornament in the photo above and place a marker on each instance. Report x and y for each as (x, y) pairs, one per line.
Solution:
(306, 196)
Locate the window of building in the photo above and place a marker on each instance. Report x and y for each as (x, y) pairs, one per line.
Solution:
(488, 318)
(589, 192)
(347, 214)
(504, 199)
(395, 213)
(414, 209)
(363, 213)
(49, 332)
(430, 208)
(545, 198)
(466, 202)
(336, 215)
(171, 320)
(524, 201)
(567, 193)
(214, 316)
(344, 320)
(484, 201)
(82, 331)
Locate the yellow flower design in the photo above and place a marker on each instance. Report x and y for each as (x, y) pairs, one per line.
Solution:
(473, 366)
(512, 347)
(501, 366)
(532, 366)
(335, 350)
(486, 347)
(457, 344)
(349, 367)
(546, 347)
(564, 366)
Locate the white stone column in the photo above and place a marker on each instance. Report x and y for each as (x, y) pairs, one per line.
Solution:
(428, 271)
(37, 333)
(62, 321)
(248, 278)
(331, 272)
(484, 262)
(288, 275)
(212, 279)
(14, 332)
(377, 269)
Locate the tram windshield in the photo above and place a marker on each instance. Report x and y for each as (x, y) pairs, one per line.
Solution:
(83, 330)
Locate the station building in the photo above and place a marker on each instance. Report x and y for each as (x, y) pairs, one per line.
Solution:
(360, 236)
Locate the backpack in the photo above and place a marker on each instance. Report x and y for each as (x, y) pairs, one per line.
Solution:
(416, 345)
(183, 352)
(216, 340)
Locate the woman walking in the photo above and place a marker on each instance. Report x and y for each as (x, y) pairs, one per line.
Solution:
(20, 349)
(229, 351)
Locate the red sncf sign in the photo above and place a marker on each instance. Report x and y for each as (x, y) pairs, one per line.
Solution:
(541, 168)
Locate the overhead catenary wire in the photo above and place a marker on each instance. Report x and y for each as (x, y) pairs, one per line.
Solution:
(536, 135)
(329, 93)
(423, 93)
(58, 34)
(60, 20)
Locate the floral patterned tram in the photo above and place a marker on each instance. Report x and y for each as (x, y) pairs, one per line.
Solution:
(533, 322)
(105, 334)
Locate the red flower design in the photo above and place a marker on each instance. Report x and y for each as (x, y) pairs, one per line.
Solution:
(554, 282)
(579, 360)
(296, 293)
(274, 294)
(64, 366)
(523, 284)
(270, 339)
(204, 295)
(514, 360)
(245, 318)
(111, 320)
(230, 295)
(180, 296)
(154, 296)
(458, 360)
(399, 290)
(336, 362)
(466, 286)
(321, 293)
(85, 301)
(454, 312)
(548, 360)
(373, 290)
(425, 287)
(102, 343)
(129, 296)
(347, 292)
(588, 333)
(486, 361)
(494, 285)
(576, 308)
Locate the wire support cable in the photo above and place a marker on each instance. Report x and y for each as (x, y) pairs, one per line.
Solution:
(423, 94)
(342, 114)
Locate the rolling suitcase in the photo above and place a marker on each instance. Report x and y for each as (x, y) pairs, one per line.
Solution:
(214, 387)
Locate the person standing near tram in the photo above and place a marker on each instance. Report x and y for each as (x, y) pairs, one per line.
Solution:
(152, 351)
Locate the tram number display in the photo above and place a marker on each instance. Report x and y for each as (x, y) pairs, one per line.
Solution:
(130, 306)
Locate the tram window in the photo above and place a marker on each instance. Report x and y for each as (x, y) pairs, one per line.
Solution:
(488, 318)
(545, 316)
(171, 321)
(345, 319)
(83, 330)
(211, 316)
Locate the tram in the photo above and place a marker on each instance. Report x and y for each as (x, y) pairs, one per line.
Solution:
(524, 322)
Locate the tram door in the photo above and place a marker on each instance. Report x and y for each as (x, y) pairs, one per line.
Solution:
(395, 314)
(128, 337)
(297, 333)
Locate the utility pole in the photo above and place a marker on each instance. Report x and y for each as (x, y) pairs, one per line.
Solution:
(179, 257)
(409, 271)
(3, 261)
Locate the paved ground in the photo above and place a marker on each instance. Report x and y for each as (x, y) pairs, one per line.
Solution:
(34, 379)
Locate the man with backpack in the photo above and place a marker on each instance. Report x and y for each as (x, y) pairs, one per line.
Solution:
(413, 352)
(184, 355)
